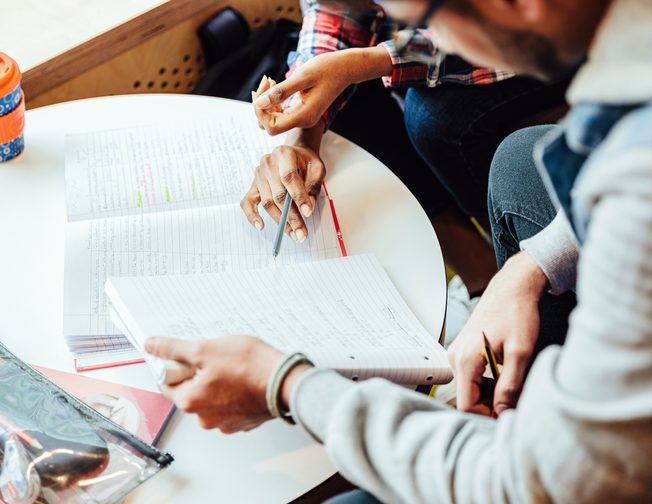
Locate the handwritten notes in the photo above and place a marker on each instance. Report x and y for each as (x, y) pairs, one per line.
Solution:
(163, 200)
(343, 313)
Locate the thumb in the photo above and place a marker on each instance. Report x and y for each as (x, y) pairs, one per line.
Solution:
(172, 349)
(510, 384)
(278, 93)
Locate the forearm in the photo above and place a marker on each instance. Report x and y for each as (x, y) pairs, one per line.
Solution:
(331, 28)
(580, 432)
(533, 280)
(369, 64)
(397, 444)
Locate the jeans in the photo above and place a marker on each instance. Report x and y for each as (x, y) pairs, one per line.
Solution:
(442, 144)
(354, 497)
(519, 207)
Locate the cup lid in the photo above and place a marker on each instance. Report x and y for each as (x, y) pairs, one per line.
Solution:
(9, 74)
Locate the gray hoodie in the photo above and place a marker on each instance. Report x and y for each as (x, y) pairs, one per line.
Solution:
(582, 431)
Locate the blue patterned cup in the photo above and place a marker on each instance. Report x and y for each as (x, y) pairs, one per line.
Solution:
(12, 109)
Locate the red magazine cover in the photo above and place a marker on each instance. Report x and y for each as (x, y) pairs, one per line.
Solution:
(141, 412)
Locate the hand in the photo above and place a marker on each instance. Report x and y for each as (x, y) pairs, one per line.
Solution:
(508, 313)
(228, 388)
(319, 82)
(295, 168)
(265, 84)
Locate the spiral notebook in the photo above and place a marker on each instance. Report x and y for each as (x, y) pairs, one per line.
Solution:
(344, 313)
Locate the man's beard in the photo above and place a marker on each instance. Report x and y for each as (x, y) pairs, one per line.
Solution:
(531, 54)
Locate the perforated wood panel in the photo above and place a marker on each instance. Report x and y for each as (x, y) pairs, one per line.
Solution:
(170, 62)
(179, 77)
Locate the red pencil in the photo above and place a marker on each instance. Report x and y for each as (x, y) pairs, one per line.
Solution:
(30, 440)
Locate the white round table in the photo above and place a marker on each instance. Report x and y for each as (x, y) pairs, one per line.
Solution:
(274, 463)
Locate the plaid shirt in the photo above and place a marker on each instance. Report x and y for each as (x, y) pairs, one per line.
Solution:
(327, 28)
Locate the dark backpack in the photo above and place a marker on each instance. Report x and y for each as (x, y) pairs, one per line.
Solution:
(237, 58)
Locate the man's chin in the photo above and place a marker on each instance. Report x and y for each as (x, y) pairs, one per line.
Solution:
(554, 73)
(548, 71)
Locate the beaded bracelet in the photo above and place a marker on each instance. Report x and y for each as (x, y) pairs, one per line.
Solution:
(273, 392)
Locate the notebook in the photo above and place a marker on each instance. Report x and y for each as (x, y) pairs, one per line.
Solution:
(164, 200)
(343, 313)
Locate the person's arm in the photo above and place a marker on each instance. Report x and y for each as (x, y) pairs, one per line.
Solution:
(581, 430)
(330, 28)
(508, 315)
(314, 87)
(424, 64)
(580, 433)
(313, 91)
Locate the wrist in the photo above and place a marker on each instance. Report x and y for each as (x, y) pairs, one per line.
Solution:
(371, 63)
(290, 381)
(307, 137)
(281, 382)
(531, 277)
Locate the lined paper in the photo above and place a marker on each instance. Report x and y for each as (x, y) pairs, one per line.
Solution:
(198, 240)
(343, 313)
(163, 200)
(162, 168)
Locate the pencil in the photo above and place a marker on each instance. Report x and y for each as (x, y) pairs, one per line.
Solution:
(281, 224)
(490, 356)
(27, 439)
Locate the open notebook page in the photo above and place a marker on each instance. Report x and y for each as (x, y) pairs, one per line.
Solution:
(149, 169)
(343, 313)
(195, 240)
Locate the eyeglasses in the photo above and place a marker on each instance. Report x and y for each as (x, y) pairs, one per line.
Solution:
(405, 36)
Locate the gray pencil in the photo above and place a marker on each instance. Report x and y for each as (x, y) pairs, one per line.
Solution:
(281, 224)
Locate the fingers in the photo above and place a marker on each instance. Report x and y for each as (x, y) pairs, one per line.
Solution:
(266, 197)
(265, 84)
(174, 349)
(249, 205)
(268, 203)
(178, 394)
(315, 173)
(262, 86)
(272, 117)
(510, 384)
(295, 221)
(270, 170)
(300, 116)
(278, 93)
(470, 387)
(288, 169)
(468, 366)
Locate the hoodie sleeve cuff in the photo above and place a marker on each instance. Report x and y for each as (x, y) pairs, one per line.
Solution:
(312, 399)
(556, 251)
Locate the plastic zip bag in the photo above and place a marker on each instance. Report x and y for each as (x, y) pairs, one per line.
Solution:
(55, 449)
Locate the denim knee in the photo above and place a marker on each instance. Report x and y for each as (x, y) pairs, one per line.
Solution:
(514, 182)
(354, 497)
(427, 119)
(518, 203)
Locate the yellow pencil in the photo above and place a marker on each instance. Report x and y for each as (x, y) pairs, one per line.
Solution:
(490, 356)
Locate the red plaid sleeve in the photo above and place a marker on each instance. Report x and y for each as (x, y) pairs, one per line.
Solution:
(411, 70)
(327, 29)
